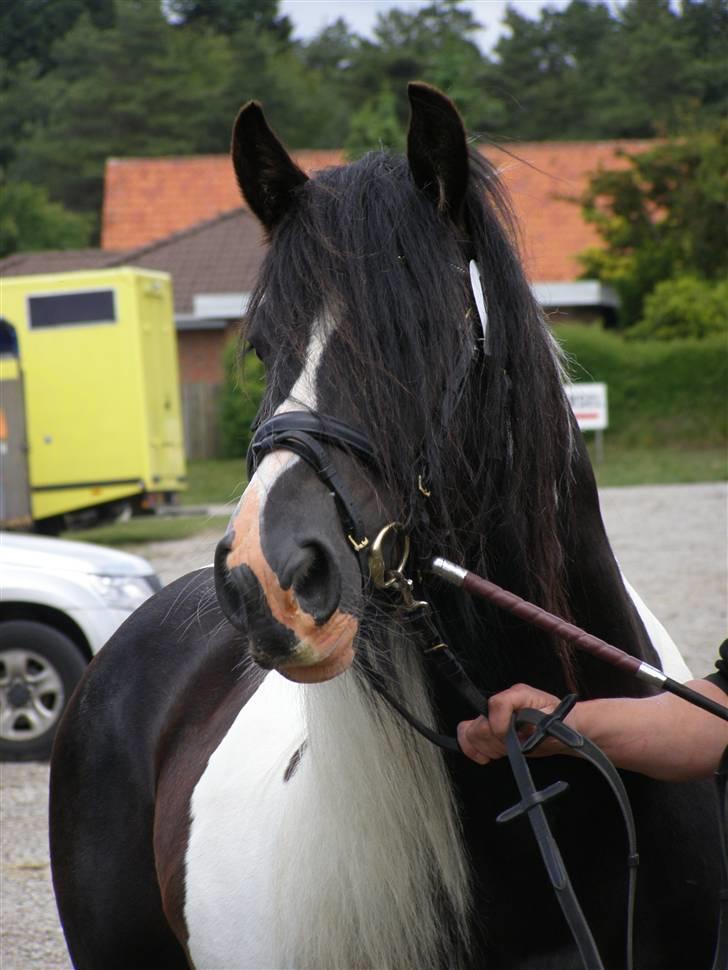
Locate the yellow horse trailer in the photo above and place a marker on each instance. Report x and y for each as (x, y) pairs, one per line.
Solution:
(102, 402)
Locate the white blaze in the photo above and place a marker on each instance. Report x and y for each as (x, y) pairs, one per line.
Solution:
(302, 396)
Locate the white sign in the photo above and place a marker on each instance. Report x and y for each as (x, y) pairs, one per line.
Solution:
(589, 404)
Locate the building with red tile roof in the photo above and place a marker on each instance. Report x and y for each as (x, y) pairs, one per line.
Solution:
(185, 216)
(147, 199)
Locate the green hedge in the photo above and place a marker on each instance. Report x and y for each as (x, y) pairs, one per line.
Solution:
(659, 393)
(682, 308)
(239, 401)
(664, 393)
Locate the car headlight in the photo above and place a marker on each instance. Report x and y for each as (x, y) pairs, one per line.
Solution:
(123, 592)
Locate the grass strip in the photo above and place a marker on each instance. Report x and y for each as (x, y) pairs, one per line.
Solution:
(149, 528)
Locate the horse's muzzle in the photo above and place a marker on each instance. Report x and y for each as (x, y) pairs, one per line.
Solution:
(290, 607)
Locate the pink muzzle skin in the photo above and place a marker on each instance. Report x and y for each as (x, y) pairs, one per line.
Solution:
(322, 650)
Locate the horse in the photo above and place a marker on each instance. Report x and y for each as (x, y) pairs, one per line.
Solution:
(228, 787)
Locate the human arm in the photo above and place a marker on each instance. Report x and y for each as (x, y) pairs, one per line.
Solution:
(662, 736)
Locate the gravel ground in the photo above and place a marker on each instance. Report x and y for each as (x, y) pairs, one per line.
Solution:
(671, 544)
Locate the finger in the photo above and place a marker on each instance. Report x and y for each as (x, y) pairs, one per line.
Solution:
(467, 747)
(502, 706)
(479, 740)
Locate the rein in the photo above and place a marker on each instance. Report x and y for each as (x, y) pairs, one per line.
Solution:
(306, 433)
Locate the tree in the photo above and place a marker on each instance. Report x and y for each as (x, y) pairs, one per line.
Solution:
(375, 127)
(29, 220)
(30, 28)
(332, 55)
(704, 24)
(662, 217)
(651, 55)
(434, 43)
(332, 51)
(228, 16)
(240, 397)
(22, 107)
(549, 69)
(142, 88)
(299, 103)
(684, 307)
(596, 70)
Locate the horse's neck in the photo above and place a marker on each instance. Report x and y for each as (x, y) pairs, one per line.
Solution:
(599, 600)
(504, 651)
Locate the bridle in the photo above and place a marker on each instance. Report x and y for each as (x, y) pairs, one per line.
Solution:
(308, 434)
(305, 433)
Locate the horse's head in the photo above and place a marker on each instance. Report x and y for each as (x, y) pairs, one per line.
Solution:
(365, 314)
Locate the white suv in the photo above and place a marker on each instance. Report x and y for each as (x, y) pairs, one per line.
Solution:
(59, 604)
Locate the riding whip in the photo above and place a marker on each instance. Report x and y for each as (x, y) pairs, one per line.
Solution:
(530, 613)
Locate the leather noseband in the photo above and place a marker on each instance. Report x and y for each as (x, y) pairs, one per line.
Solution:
(305, 433)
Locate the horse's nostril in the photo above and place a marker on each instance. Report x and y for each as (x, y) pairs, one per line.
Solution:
(317, 582)
(229, 594)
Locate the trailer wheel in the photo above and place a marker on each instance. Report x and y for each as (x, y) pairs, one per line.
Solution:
(52, 526)
(39, 669)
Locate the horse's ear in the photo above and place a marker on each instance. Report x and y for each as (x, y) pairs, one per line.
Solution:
(266, 173)
(437, 148)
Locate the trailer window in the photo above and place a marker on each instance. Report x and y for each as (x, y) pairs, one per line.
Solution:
(72, 309)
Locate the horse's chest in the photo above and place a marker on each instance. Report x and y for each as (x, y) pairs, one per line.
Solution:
(235, 850)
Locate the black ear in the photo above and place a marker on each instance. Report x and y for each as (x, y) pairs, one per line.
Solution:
(437, 148)
(266, 174)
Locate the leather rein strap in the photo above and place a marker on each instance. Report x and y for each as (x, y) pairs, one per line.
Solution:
(532, 802)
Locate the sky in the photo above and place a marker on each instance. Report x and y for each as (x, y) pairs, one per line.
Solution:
(311, 16)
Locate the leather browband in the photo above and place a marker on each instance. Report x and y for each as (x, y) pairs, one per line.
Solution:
(273, 432)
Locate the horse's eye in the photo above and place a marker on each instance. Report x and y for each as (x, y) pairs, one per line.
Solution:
(257, 342)
(252, 349)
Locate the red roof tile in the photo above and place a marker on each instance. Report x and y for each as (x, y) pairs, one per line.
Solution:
(220, 255)
(147, 199)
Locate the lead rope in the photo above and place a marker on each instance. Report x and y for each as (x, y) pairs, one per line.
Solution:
(608, 653)
(438, 653)
(532, 802)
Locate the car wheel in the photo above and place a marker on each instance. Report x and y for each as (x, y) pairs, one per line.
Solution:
(39, 669)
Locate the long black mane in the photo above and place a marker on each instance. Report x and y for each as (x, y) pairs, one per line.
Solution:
(489, 433)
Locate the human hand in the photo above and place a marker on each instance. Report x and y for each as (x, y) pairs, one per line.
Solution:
(483, 739)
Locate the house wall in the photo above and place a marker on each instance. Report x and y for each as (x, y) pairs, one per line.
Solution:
(201, 378)
(200, 355)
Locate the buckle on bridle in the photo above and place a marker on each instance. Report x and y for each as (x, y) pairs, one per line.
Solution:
(385, 578)
(358, 545)
(381, 575)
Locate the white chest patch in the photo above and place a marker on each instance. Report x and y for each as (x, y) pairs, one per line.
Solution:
(237, 812)
(355, 862)
(671, 659)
